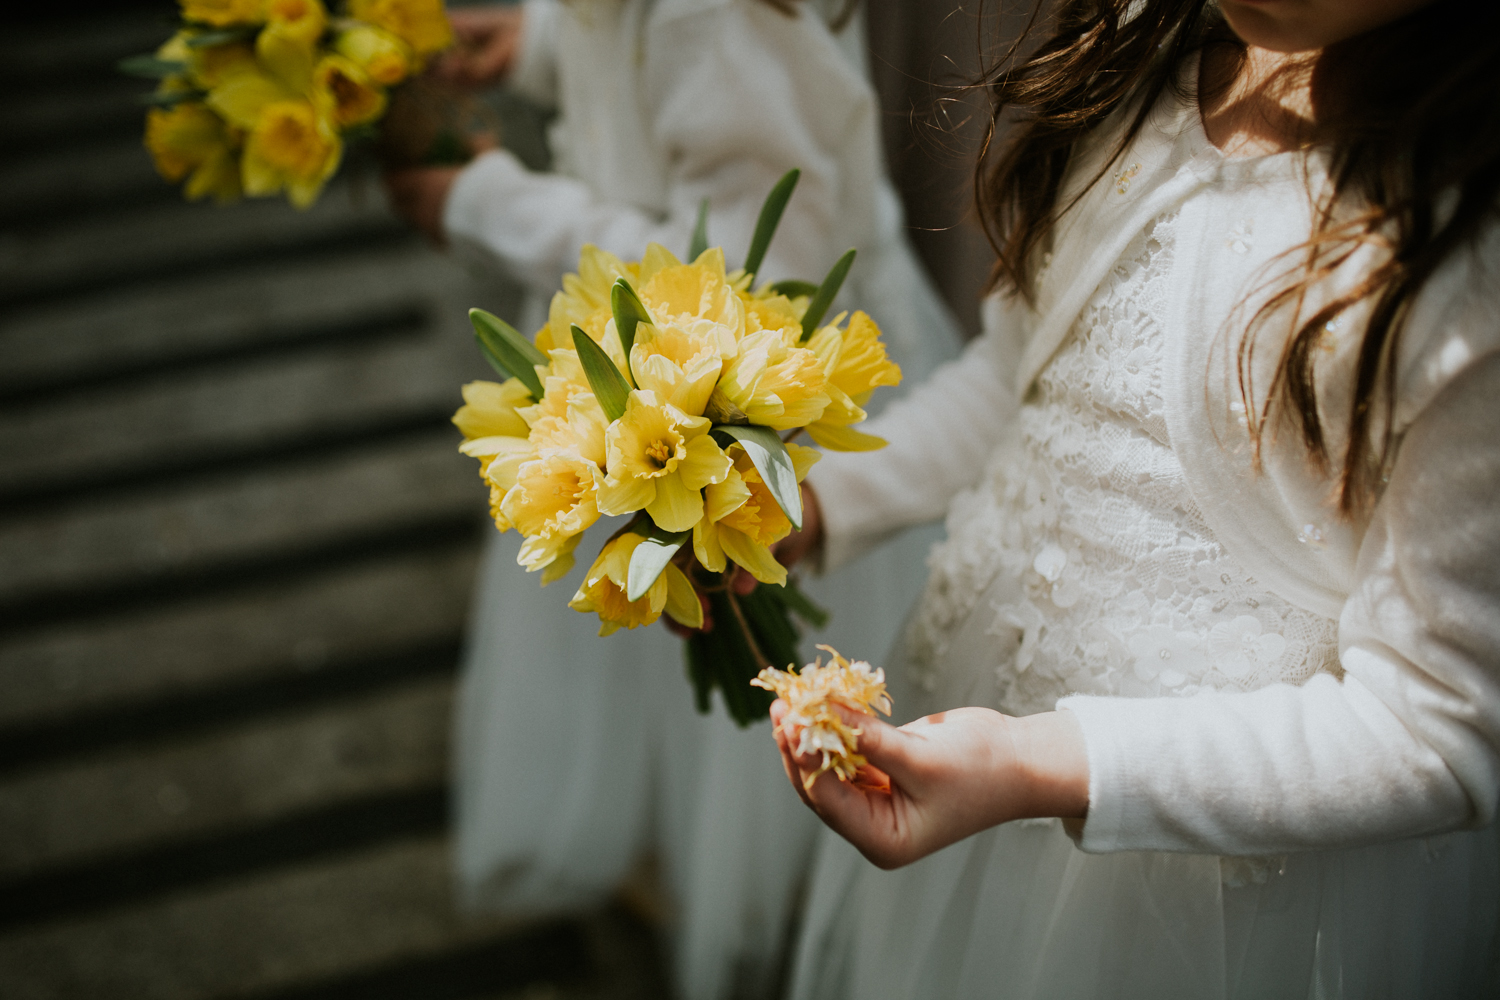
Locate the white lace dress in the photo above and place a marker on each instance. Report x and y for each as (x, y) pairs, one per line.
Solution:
(1081, 564)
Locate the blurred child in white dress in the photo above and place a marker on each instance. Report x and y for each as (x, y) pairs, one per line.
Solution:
(575, 753)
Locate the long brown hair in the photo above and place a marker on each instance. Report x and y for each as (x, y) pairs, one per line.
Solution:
(1409, 115)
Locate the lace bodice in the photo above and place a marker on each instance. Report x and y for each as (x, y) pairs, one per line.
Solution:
(1081, 563)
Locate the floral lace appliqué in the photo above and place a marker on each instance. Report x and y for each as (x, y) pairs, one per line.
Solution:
(1084, 547)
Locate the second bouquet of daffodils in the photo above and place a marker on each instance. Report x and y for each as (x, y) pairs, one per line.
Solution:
(257, 97)
(670, 392)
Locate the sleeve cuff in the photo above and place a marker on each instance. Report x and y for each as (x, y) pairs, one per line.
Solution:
(1102, 724)
(485, 178)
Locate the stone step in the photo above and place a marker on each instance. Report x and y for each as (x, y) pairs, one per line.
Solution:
(73, 119)
(84, 811)
(129, 542)
(400, 371)
(164, 244)
(47, 56)
(322, 922)
(327, 622)
(50, 186)
(220, 318)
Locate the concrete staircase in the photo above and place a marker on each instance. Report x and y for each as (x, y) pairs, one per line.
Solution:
(236, 549)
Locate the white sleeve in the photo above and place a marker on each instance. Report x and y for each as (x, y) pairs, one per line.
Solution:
(738, 94)
(1407, 744)
(534, 73)
(939, 436)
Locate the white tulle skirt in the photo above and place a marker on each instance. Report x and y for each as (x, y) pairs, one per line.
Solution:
(1018, 912)
(576, 754)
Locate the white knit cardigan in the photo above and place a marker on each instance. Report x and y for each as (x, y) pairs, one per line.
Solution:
(1407, 742)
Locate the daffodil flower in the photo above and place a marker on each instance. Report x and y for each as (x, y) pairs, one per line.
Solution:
(659, 460)
(855, 364)
(742, 520)
(585, 302)
(679, 292)
(772, 382)
(811, 695)
(421, 24)
(680, 361)
(191, 141)
(554, 499)
(346, 92)
(224, 13)
(490, 410)
(568, 418)
(386, 58)
(287, 46)
(603, 591)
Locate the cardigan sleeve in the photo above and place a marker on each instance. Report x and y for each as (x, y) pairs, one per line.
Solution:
(729, 91)
(1406, 744)
(939, 436)
(534, 73)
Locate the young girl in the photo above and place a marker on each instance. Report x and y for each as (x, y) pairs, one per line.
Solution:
(576, 753)
(1223, 538)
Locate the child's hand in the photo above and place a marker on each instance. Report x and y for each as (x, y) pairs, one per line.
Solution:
(935, 781)
(487, 41)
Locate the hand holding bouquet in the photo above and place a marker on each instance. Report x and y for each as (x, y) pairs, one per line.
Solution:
(258, 97)
(669, 392)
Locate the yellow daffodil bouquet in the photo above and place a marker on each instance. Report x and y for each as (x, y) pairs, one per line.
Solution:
(670, 392)
(257, 97)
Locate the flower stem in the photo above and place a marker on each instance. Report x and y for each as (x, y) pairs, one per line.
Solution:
(734, 605)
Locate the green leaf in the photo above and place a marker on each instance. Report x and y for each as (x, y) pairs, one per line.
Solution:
(770, 217)
(818, 307)
(610, 387)
(629, 312)
(792, 288)
(150, 67)
(221, 36)
(650, 558)
(170, 99)
(700, 233)
(796, 601)
(494, 361)
(771, 460)
(504, 344)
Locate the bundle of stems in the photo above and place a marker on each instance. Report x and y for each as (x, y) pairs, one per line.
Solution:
(750, 632)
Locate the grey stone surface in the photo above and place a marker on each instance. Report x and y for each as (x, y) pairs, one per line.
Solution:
(272, 632)
(106, 539)
(251, 773)
(253, 935)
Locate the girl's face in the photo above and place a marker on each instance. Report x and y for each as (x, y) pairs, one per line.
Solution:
(1304, 25)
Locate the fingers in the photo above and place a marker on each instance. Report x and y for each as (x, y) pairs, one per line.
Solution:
(887, 748)
(783, 744)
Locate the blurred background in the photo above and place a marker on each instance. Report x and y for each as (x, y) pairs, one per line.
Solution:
(237, 546)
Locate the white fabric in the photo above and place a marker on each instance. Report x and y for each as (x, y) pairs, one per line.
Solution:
(1114, 541)
(575, 754)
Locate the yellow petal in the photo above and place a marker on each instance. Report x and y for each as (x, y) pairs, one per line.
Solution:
(722, 499)
(836, 438)
(559, 567)
(628, 495)
(756, 559)
(706, 547)
(682, 600)
(803, 459)
(242, 97)
(676, 507)
(705, 463)
(657, 258)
